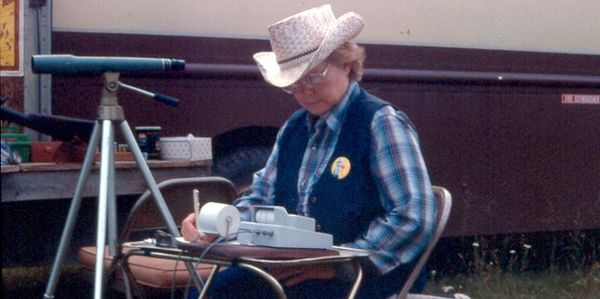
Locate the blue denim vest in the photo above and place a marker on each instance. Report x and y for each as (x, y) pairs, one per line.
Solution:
(341, 205)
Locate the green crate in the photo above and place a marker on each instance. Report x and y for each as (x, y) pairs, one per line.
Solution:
(20, 143)
(23, 148)
(15, 137)
(11, 129)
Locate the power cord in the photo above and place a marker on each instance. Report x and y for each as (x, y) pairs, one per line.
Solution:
(205, 251)
(175, 276)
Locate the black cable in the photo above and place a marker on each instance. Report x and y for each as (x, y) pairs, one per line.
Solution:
(175, 275)
(208, 248)
(204, 252)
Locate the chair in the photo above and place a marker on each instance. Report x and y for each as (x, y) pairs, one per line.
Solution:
(444, 204)
(155, 275)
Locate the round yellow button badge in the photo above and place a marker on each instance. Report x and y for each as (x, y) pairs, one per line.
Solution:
(340, 168)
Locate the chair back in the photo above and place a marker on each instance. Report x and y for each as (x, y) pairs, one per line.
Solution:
(144, 218)
(178, 195)
(444, 204)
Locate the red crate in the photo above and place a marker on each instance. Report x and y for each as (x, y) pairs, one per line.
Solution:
(43, 151)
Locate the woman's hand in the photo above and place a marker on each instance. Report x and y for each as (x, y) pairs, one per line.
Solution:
(191, 233)
(296, 274)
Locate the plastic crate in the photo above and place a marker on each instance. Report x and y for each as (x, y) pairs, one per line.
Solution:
(43, 151)
(20, 143)
(23, 148)
(10, 130)
(15, 137)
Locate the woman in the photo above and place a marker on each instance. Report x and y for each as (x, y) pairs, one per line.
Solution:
(347, 159)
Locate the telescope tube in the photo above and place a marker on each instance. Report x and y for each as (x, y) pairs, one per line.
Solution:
(65, 64)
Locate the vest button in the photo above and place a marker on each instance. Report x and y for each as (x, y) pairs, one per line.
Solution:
(318, 227)
(313, 199)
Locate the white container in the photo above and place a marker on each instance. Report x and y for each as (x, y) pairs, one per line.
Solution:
(185, 148)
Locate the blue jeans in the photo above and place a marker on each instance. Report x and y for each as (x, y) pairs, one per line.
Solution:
(241, 283)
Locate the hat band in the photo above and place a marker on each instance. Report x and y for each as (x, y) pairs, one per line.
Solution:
(297, 56)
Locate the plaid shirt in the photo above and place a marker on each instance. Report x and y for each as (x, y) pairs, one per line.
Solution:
(397, 165)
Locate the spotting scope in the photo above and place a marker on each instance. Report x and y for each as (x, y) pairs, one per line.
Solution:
(65, 64)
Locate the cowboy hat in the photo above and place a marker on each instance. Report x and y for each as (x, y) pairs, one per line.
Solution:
(302, 41)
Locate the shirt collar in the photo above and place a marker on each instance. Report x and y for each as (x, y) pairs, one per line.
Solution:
(334, 116)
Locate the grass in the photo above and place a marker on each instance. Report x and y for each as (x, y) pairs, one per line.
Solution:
(546, 284)
(73, 283)
(536, 265)
(560, 264)
(31, 282)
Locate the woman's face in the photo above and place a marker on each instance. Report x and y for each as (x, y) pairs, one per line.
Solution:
(320, 98)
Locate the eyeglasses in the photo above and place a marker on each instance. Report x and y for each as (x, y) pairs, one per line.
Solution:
(311, 80)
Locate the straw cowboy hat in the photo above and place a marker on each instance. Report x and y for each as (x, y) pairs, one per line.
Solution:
(302, 41)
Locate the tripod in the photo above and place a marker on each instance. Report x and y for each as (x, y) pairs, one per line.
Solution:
(109, 114)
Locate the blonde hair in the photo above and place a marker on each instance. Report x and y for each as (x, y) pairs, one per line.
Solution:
(352, 54)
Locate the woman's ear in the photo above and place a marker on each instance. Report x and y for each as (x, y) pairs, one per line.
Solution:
(347, 68)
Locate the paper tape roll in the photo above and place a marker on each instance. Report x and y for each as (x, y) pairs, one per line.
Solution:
(265, 216)
(218, 219)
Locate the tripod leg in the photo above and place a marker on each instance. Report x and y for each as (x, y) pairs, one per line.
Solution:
(103, 198)
(112, 210)
(143, 166)
(158, 198)
(73, 211)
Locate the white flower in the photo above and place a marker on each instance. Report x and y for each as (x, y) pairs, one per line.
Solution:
(475, 244)
(447, 289)
(527, 246)
(512, 251)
